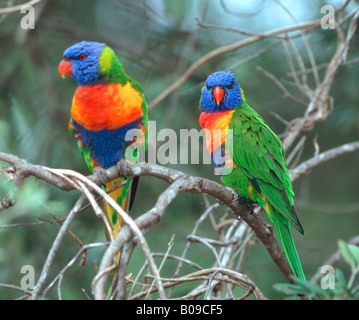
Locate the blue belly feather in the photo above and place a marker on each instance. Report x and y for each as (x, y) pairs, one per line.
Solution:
(107, 147)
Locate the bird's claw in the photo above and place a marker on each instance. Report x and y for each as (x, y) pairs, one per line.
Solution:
(246, 202)
(234, 197)
(101, 174)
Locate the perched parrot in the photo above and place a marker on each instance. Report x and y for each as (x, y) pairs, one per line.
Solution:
(106, 105)
(255, 155)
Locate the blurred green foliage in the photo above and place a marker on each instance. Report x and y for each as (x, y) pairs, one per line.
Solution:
(332, 287)
(157, 40)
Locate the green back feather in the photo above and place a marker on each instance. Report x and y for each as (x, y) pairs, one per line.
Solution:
(111, 68)
(261, 176)
(258, 151)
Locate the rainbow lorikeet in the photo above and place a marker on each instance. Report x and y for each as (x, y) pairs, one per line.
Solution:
(255, 155)
(106, 105)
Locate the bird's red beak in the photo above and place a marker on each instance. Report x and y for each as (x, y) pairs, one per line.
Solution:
(65, 68)
(218, 94)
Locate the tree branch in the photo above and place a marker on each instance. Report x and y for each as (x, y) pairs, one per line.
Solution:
(55, 247)
(185, 183)
(307, 166)
(18, 7)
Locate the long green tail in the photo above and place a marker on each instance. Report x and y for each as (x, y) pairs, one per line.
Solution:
(283, 229)
(122, 196)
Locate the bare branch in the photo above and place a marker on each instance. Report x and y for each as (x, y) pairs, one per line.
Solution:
(18, 7)
(194, 231)
(287, 94)
(22, 169)
(228, 29)
(307, 166)
(17, 288)
(62, 273)
(55, 247)
(217, 274)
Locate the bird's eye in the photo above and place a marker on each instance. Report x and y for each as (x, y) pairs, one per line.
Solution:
(82, 56)
(230, 86)
(208, 87)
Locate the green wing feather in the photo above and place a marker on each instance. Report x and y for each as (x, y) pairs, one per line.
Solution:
(259, 153)
(86, 152)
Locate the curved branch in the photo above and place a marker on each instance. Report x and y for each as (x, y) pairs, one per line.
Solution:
(22, 169)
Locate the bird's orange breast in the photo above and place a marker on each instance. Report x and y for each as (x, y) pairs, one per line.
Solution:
(106, 106)
(211, 121)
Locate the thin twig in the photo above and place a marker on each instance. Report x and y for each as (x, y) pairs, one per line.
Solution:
(18, 7)
(223, 274)
(287, 94)
(62, 273)
(55, 246)
(170, 245)
(17, 288)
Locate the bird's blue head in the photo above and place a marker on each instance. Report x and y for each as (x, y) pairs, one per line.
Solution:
(221, 92)
(82, 62)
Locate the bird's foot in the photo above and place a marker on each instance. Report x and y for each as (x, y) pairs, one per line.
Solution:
(101, 175)
(234, 196)
(246, 202)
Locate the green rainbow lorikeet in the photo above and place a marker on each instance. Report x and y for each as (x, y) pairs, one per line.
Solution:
(106, 105)
(258, 169)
